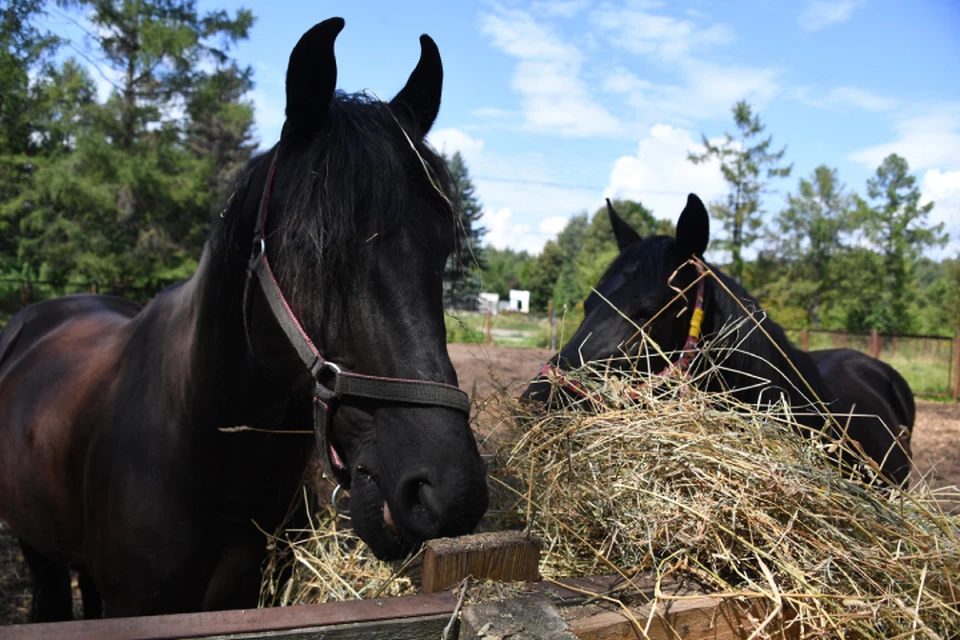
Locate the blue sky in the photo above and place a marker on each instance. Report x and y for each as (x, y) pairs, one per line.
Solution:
(555, 105)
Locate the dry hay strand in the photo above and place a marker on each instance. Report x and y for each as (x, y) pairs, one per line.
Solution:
(679, 482)
(327, 562)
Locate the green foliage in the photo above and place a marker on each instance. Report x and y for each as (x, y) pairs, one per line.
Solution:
(120, 193)
(462, 276)
(506, 269)
(741, 165)
(807, 238)
(544, 273)
(895, 225)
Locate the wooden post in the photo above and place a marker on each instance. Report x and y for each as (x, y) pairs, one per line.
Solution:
(496, 555)
(875, 343)
(553, 325)
(956, 367)
(805, 339)
(26, 293)
(489, 326)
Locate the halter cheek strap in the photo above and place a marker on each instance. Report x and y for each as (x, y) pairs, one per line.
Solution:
(330, 381)
(680, 367)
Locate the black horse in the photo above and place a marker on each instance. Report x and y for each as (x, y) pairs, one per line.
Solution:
(868, 399)
(150, 447)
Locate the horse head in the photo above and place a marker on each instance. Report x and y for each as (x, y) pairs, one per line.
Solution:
(647, 287)
(350, 234)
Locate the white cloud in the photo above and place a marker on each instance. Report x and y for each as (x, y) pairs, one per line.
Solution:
(560, 9)
(818, 14)
(503, 232)
(707, 92)
(857, 98)
(930, 140)
(553, 225)
(547, 76)
(665, 37)
(449, 141)
(660, 176)
(943, 188)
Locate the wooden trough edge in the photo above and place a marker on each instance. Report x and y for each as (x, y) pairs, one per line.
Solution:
(694, 616)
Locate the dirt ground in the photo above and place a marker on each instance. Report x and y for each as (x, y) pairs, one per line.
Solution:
(482, 371)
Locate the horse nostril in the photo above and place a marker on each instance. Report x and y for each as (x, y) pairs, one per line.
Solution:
(421, 509)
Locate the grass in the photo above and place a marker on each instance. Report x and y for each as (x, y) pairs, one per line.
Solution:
(509, 329)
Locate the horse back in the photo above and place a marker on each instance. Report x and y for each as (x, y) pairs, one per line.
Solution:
(863, 386)
(57, 361)
(867, 380)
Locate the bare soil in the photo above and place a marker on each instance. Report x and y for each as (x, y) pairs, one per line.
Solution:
(483, 371)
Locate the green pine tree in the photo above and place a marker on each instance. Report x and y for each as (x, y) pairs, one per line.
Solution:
(462, 278)
(127, 206)
(746, 169)
(895, 224)
(808, 238)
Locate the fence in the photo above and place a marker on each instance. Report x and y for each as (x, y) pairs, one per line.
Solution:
(931, 364)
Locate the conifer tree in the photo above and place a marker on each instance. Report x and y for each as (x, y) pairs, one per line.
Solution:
(462, 278)
(896, 226)
(746, 166)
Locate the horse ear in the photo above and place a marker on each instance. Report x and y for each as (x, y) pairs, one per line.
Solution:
(622, 231)
(693, 228)
(312, 78)
(420, 97)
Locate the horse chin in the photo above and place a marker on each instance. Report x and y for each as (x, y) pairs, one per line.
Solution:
(374, 523)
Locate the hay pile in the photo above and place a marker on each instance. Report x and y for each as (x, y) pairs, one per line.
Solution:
(326, 563)
(677, 482)
(683, 483)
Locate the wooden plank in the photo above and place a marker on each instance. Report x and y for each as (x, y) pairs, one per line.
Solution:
(693, 618)
(225, 623)
(531, 617)
(499, 555)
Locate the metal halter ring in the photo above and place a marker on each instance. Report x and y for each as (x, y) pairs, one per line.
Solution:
(342, 511)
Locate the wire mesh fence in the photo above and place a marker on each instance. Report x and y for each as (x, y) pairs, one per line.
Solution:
(929, 363)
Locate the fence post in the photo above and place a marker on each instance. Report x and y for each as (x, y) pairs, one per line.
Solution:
(875, 343)
(26, 292)
(553, 325)
(956, 366)
(489, 326)
(805, 339)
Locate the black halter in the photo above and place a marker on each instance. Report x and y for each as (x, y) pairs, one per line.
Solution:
(330, 381)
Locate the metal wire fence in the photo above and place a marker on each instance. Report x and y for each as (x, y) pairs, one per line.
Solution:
(931, 364)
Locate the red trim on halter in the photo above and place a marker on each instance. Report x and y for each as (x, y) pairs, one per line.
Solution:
(343, 383)
(680, 367)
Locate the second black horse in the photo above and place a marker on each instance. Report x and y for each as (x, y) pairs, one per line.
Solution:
(868, 399)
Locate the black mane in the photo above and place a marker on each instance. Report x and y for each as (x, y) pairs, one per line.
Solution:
(345, 196)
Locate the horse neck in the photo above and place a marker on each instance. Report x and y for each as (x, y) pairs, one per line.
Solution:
(198, 325)
(763, 351)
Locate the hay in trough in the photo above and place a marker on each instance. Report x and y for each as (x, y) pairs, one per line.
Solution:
(659, 478)
(326, 562)
(687, 484)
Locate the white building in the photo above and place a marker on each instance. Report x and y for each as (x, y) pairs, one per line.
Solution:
(520, 300)
(488, 302)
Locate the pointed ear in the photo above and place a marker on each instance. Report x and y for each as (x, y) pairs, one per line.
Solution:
(312, 78)
(622, 231)
(693, 229)
(420, 97)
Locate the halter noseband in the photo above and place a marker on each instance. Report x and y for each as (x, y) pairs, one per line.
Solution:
(680, 367)
(330, 381)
